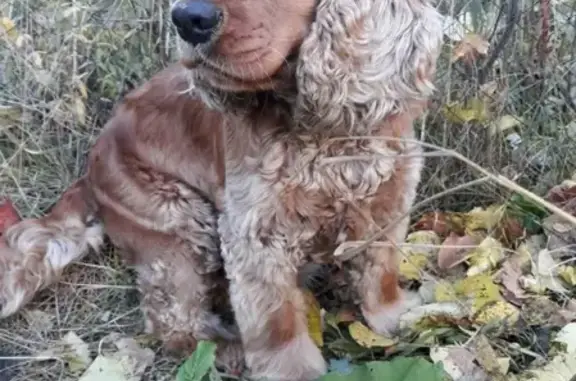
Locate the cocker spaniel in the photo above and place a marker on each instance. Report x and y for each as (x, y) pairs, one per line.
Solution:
(284, 131)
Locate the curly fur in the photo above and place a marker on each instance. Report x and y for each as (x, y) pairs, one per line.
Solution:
(222, 179)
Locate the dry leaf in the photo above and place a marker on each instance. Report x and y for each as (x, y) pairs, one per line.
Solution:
(567, 336)
(485, 257)
(454, 250)
(480, 288)
(509, 277)
(368, 338)
(8, 27)
(484, 219)
(567, 274)
(128, 363)
(314, 316)
(470, 48)
(431, 314)
(422, 244)
(459, 363)
(498, 311)
(487, 356)
(505, 122)
(76, 353)
(561, 368)
(474, 110)
(441, 223)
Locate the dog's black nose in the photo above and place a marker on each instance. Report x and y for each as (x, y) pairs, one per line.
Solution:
(196, 20)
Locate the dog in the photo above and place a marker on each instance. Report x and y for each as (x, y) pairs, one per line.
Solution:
(284, 131)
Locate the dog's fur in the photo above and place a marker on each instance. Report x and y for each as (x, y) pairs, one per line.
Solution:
(262, 151)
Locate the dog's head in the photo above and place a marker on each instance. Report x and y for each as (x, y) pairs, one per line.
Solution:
(342, 62)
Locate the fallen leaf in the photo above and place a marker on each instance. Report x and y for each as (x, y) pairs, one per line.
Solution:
(567, 274)
(199, 364)
(487, 356)
(561, 368)
(485, 257)
(474, 110)
(505, 122)
(509, 276)
(541, 311)
(76, 353)
(498, 311)
(544, 274)
(484, 219)
(314, 319)
(431, 314)
(8, 27)
(470, 48)
(458, 363)
(567, 336)
(38, 320)
(453, 250)
(445, 292)
(420, 246)
(441, 223)
(368, 338)
(410, 267)
(480, 288)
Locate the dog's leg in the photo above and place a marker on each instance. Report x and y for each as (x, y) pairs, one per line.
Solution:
(376, 271)
(182, 281)
(383, 301)
(35, 252)
(181, 307)
(270, 309)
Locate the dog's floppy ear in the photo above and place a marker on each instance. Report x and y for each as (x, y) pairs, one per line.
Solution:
(366, 59)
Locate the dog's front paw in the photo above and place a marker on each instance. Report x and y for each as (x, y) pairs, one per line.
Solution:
(385, 319)
(17, 284)
(298, 360)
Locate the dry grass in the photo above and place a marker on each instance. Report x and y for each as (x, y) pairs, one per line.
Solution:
(72, 60)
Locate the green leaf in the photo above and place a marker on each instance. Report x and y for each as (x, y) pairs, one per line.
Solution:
(399, 369)
(199, 364)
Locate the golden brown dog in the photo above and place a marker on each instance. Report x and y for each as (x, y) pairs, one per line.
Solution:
(285, 131)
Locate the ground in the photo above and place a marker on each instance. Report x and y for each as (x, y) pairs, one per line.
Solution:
(505, 106)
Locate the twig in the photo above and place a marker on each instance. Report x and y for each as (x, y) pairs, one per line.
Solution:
(512, 16)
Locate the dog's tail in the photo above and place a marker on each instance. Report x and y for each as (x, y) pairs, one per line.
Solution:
(34, 252)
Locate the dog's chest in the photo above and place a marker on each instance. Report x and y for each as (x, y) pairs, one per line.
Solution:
(329, 191)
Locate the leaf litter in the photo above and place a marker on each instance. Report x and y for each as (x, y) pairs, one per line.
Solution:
(498, 282)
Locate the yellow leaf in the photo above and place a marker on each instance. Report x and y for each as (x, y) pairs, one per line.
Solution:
(80, 110)
(9, 27)
(505, 123)
(415, 258)
(486, 219)
(473, 110)
(368, 338)
(411, 266)
(423, 237)
(481, 288)
(497, 311)
(568, 274)
(444, 292)
(83, 90)
(485, 257)
(314, 319)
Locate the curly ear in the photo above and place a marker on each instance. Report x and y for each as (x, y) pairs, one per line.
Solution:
(366, 59)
